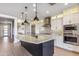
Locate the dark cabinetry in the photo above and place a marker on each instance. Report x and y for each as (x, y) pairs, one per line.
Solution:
(48, 48)
(42, 49)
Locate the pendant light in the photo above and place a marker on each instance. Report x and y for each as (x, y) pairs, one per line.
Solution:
(36, 18)
(22, 18)
(22, 23)
(26, 16)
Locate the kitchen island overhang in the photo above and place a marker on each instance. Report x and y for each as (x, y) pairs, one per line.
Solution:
(41, 46)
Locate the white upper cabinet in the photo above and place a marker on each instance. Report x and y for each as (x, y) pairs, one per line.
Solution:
(66, 19)
(71, 19)
(71, 16)
(75, 18)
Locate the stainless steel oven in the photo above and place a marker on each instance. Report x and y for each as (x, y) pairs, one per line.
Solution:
(70, 27)
(71, 34)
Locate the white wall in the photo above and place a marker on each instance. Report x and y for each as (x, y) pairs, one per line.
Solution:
(1, 30)
(15, 30)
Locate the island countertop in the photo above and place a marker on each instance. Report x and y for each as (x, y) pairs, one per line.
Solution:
(31, 39)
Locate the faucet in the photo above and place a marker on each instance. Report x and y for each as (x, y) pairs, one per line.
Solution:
(36, 36)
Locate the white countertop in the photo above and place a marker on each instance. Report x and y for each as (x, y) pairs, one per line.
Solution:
(30, 39)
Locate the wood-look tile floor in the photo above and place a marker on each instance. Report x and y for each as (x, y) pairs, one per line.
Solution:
(9, 48)
(63, 52)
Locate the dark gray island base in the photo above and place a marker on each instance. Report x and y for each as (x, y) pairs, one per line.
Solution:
(42, 49)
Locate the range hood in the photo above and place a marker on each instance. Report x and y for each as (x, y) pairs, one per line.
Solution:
(47, 25)
(47, 22)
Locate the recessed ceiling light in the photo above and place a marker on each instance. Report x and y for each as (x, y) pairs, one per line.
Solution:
(34, 10)
(47, 12)
(65, 3)
(19, 20)
(25, 12)
(34, 5)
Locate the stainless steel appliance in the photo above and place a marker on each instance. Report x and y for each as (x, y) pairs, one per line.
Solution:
(71, 34)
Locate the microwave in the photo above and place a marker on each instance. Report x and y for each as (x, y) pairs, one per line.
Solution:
(70, 27)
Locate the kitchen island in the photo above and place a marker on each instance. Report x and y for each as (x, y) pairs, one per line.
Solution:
(43, 45)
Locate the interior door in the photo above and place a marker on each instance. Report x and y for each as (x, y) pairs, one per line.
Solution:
(6, 30)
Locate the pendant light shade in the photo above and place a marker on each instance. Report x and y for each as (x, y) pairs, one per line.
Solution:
(36, 18)
(26, 16)
(26, 21)
(22, 23)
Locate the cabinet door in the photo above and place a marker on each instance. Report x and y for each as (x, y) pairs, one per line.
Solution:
(75, 18)
(67, 19)
(71, 19)
(48, 48)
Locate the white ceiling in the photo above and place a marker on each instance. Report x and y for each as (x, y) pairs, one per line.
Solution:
(15, 9)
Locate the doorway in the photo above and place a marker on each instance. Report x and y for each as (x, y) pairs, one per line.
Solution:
(6, 31)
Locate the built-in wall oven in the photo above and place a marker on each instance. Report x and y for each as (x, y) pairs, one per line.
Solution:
(71, 34)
